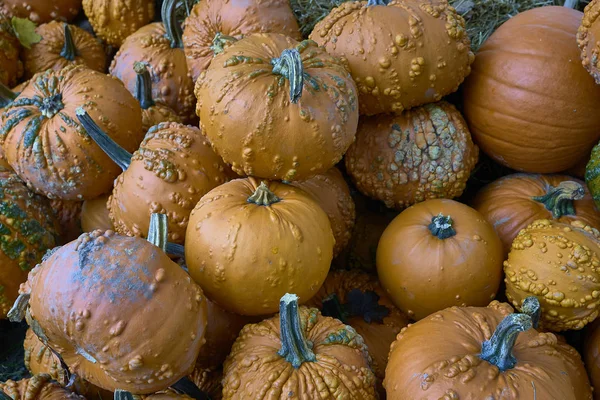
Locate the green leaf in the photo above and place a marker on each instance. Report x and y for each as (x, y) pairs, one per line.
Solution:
(25, 31)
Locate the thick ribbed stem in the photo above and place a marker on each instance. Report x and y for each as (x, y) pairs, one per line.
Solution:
(377, 3)
(17, 311)
(220, 42)
(294, 347)
(7, 96)
(159, 231)
(172, 26)
(262, 196)
(441, 227)
(52, 105)
(69, 51)
(532, 307)
(289, 65)
(559, 200)
(122, 395)
(498, 350)
(143, 85)
(571, 3)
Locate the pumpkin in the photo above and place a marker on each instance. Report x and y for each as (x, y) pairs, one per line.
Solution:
(483, 353)
(68, 214)
(592, 174)
(591, 352)
(267, 237)
(11, 69)
(115, 20)
(38, 387)
(7, 96)
(438, 254)
(159, 46)
(588, 39)
(424, 153)
(28, 228)
(524, 88)
(557, 263)
(94, 214)
(100, 313)
(402, 54)
(333, 195)
(514, 201)
(298, 352)
(208, 380)
(41, 11)
(307, 117)
(214, 23)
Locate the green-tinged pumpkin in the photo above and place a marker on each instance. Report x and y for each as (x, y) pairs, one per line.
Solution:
(592, 174)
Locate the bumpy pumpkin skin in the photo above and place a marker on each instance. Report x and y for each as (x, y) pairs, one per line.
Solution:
(94, 214)
(100, 312)
(38, 387)
(333, 195)
(50, 150)
(424, 153)
(233, 18)
(510, 99)
(41, 11)
(246, 112)
(11, 69)
(157, 114)
(115, 20)
(270, 250)
(209, 381)
(437, 358)
(68, 214)
(423, 273)
(592, 174)
(508, 204)
(341, 370)
(173, 168)
(402, 55)
(559, 264)
(588, 39)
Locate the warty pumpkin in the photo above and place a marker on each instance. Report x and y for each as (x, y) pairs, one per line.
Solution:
(529, 104)
(266, 237)
(41, 11)
(423, 153)
(559, 264)
(402, 54)
(298, 352)
(514, 201)
(100, 312)
(212, 24)
(50, 150)
(38, 387)
(592, 174)
(159, 46)
(94, 214)
(588, 39)
(68, 214)
(475, 353)
(277, 109)
(11, 69)
(438, 254)
(209, 380)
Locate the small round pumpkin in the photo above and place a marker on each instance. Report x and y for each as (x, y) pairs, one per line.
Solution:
(438, 254)
(283, 355)
(424, 153)
(514, 201)
(483, 353)
(277, 109)
(588, 39)
(94, 214)
(269, 238)
(558, 263)
(11, 69)
(68, 214)
(38, 387)
(402, 54)
(41, 11)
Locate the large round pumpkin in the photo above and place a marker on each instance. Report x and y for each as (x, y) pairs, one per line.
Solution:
(588, 39)
(277, 109)
(514, 201)
(402, 54)
(437, 254)
(424, 153)
(40, 11)
(11, 69)
(94, 214)
(268, 238)
(38, 387)
(529, 102)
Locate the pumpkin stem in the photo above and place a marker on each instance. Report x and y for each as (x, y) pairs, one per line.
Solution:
(158, 231)
(119, 155)
(559, 200)
(175, 249)
(377, 3)
(441, 227)
(294, 347)
(17, 311)
(289, 65)
(143, 85)
(331, 307)
(122, 395)
(172, 26)
(571, 3)
(7, 96)
(52, 105)
(69, 51)
(531, 306)
(220, 42)
(263, 196)
(4, 396)
(498, 350)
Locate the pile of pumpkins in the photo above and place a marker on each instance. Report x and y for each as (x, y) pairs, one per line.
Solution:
(237, 212)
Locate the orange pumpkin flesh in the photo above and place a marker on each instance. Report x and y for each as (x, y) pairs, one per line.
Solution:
(588, 39)
(11, 69)
(41, 11)
(437, 254)
(94, 215)
(38, 387)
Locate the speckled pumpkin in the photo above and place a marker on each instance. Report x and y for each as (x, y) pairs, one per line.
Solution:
(38, 387)
(438, 254)
(41, 11)
(424, 153)
(114, 20)
(592, 174)
(588, 39)
(333, 195)
(214, 23)
(277, 109)
(267, 237)
(514, 201)
(49, 149)
(301, 352)
(401, 54)
(559, 263)
(11, 68)
(483, 353)
(68, 214)
(94, 214)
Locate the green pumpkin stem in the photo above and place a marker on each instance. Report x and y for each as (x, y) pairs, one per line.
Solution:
(122, 395)
(186, 386)
(52, 105)
(172, 26)
(331, 307)
(220, 42)
(7, 96)
(17, 311)
(4, 396)
(69, 51)
(498, 350)
(559, 200)
(289, 65)
(294, 347)
(159, 230)
(262, 196)
(377, 3)
(441, 227)
(119, 155)
(143, 85)
(571, 3)
(532, 307)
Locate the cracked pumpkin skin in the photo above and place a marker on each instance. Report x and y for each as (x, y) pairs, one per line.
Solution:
(424, 153)
(438, 358)
(588, 39)
(41, 11)
(401, 55)
(11, 69)
(558, 263)
(38, 387)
